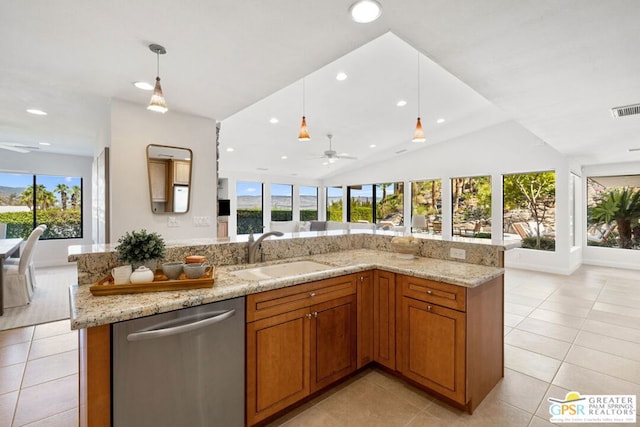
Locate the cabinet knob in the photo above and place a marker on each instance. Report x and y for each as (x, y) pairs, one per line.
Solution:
(428, 308)
(312, 294)
(308, 315)
(315, 314)
(429, 291)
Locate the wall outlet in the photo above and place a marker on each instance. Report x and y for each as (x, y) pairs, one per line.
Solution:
(202, 221)
(173, 222)
(458, 253)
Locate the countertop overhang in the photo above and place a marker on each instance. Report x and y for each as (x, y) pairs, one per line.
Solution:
(89, 311)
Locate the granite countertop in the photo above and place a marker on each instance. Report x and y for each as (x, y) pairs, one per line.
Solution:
(88, 310)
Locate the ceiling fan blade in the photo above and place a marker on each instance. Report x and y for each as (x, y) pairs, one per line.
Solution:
(14, 148)
(345, 156)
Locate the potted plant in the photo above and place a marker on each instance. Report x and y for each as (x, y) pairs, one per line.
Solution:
(140, 247)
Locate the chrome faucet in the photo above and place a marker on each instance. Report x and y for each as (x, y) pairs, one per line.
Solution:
(254, 244)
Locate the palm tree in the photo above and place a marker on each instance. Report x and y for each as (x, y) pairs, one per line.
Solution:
(27, 196)
(62, 189)
(621, 205)
(75, 196)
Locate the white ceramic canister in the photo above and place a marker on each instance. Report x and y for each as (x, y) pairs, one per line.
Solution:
(141, 274)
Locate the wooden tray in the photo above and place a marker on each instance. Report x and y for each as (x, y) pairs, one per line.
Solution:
(160, 283)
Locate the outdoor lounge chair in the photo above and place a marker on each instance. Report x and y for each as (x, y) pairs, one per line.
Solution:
(522, 228)
(603, 235)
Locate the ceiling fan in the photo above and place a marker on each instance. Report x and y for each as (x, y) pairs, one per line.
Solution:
(17, 147)
(333, 155)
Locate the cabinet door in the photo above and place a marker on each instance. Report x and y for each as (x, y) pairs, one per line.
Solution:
(365, 318)
(181, 172)
(277, 363)
(158, 180)
(433, 347)
(333, 341)
(384, 322)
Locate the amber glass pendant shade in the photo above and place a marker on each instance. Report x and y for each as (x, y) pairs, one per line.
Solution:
(304, 134)
(157, 102)
(418, 135)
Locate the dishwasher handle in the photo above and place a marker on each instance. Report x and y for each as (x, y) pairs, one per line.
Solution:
(165, 332)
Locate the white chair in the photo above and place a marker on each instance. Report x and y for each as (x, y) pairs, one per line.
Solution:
(19, 274)
(3, 230)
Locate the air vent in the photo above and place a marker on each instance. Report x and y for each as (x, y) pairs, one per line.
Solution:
(401, 151)
(627, 110)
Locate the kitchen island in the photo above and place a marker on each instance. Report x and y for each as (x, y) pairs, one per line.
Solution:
(468, 304)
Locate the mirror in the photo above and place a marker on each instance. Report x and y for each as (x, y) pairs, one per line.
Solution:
(169, 178)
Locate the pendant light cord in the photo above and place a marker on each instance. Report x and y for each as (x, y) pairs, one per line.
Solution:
(418, 84)
(157, 64)
(303, 91)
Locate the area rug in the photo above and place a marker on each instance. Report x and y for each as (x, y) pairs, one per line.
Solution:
(50, 300)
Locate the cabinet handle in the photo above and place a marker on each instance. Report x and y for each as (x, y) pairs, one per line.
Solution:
(362, 278)
(315, 314)
(308, 315)
(429, 291)
(312, 294)
(428, 308)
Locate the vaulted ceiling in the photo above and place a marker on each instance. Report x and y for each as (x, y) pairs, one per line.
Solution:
(557, 67)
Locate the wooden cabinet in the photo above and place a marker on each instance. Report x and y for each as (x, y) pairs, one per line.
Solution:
(299, 340)
(451, 338)
(159, 180)
(384, 319)
(365, 318)
(181, 172)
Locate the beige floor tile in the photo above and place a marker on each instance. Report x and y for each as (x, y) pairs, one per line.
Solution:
(622, 348)
(570, 301)
(587, 381)
(540, 422)
(512, 320)
(606, 363)
(564, 308)
(614, 319)
(557, 318)
(490, 413)
(554, 392)
(11, 377)
(365, 403)
(399, 388)
(618, 309)
(547, 329)
(15, 336)
(529, 363)
(507, 329)
(312, 417)
(7, 407)
(537, 343)
(520, 390)
(15, 353)
(523, 300)
(50, 368)
(64, 419)
(578, 292)
(519, 309)
(53, 345)
(615, 331)
(52, 329)
(47, 399)
(532, 292)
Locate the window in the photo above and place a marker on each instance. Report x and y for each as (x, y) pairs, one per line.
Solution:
(360, 203)
(529, 201)
(426, 199)
(613, 211)
(27, 201)
(471, 206)
(249, 207)
(334, 204)
(281, 202)
(308, 203)
(390, 203)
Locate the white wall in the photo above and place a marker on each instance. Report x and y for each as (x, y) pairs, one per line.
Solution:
(502, 149)
(132, 129)
(613, 257)
(54, 252)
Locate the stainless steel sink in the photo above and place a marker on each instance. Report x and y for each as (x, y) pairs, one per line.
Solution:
(281, 270)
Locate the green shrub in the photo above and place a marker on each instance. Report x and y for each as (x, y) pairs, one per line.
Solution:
(546, 244)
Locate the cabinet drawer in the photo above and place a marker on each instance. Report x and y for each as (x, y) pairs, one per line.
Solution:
(443, 294)
(277, 301)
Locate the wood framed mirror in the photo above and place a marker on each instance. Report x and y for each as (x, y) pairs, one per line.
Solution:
(169, 171)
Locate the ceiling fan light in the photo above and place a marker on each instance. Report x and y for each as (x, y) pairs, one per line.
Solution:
(418, 135)
(304, 134)
(157, 102)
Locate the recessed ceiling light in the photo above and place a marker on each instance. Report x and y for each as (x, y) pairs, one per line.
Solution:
(365, 11)
(230, 149)
(372, 146)
(401, 103)
(36, 112)
(46, 144)
(341, 76)
(440, 120)
(284, 157)
(273, 120)
(143, 85)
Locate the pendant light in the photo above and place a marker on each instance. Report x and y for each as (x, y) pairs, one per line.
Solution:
(304, 134)
(418, 135)
(157, 102)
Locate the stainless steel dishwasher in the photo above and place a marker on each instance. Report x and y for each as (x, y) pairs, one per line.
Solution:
(181, 368)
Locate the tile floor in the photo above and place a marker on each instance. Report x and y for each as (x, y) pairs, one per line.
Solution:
(562, 333)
